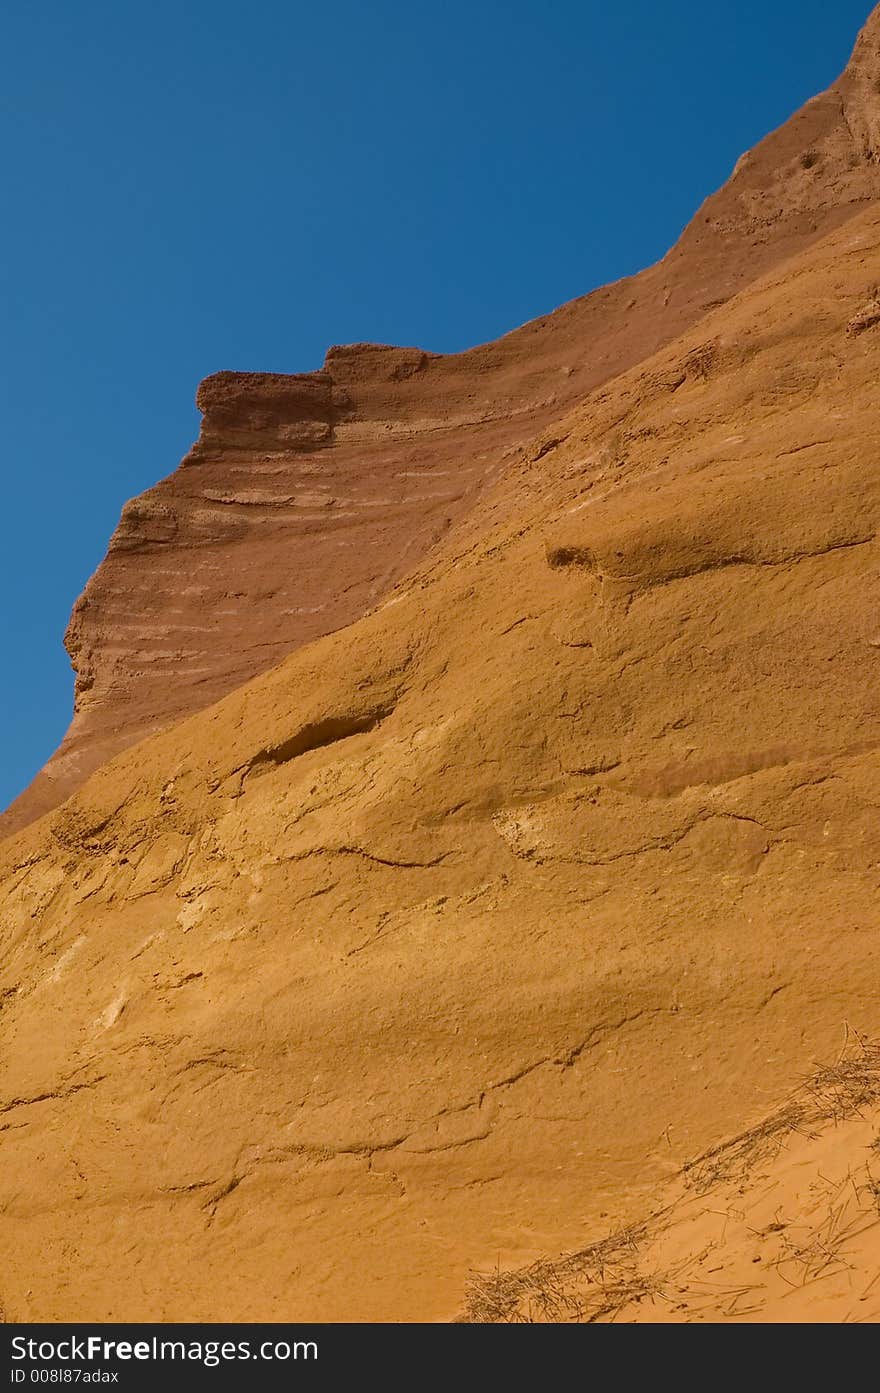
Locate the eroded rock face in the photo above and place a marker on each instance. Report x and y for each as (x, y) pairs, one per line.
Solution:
(439, 947)
(446, 943)
(307, 497)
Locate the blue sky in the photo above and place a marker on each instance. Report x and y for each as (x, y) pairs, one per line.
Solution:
(192, 185)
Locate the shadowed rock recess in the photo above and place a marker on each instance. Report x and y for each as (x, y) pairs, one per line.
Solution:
(475, 816)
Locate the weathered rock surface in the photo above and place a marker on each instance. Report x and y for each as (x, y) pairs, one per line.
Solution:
(449, 940)
(308, 497)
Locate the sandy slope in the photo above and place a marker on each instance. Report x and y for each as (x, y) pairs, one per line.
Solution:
(447, 942)
(780, 1224)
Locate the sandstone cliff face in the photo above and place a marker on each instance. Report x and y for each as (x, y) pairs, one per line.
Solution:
(308, 497)
(448, 941)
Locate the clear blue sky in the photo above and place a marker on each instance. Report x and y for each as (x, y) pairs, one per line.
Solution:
(195, 184)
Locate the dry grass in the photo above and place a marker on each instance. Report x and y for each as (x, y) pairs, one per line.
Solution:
(598, 1282)
(592, 1284)
(734, 1159)
(833, 1094)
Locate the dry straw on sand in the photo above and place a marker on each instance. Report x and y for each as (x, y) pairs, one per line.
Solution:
(617, 1273)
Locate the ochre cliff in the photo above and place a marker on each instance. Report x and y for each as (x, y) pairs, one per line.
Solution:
(308, 497)
(445, 942)
(452, 942)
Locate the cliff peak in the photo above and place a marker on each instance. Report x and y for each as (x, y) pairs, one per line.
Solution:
(315, 493)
